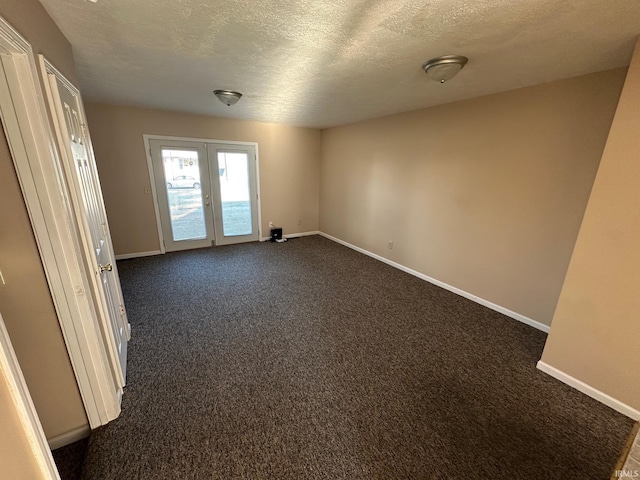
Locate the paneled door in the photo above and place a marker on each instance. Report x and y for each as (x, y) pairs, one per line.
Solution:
(82, 177)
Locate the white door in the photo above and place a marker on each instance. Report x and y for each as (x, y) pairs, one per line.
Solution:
(206, 192)
(235, 199)
(183, 193)
(82, 176)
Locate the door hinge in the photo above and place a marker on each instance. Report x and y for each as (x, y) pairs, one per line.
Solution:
(122, 311)
(105, 230)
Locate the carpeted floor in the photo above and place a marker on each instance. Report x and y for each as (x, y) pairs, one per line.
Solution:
(307, 360)
(69, 459)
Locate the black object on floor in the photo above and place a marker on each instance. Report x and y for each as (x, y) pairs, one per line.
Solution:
(308, 360)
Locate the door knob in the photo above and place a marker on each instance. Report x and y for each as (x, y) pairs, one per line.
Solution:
(106, 268)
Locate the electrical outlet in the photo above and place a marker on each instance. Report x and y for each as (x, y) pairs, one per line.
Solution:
(299, 222)
(390, 245)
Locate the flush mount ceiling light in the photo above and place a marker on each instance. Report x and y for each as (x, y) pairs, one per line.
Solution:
(228, 97)
(445, 67)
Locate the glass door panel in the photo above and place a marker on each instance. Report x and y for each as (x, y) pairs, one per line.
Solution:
(235, 191)
(186, 206)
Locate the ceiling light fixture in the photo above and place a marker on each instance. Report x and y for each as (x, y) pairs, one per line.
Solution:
(445, 67)
(228, 97)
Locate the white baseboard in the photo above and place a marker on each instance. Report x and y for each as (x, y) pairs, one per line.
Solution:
(462, 293)
(589, 390)
(293, 235)
(68, 438)
(126, 256)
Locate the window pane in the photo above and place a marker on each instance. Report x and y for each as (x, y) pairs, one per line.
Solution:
(182, 174)
(233, 169)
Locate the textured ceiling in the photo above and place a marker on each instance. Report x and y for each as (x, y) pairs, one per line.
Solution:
(322, 63)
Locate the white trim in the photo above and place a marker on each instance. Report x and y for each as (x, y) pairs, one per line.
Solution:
(24, 406)
(154, 193)
(592, 392)
(68, 438)
(126, 256)
(457, 291)
(293, 235)
(147, 137)
(259, 201)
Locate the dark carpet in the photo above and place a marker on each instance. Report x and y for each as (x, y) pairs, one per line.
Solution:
(307, 360)
(69, 459)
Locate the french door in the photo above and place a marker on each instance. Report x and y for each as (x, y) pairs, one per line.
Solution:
(206, 192)
(234, 182)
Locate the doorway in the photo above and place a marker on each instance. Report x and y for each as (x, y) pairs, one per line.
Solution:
(206, 192)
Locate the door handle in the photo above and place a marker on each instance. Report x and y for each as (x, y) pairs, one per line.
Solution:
(106, 268)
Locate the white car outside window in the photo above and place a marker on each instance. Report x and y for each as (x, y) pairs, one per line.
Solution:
(183, 181)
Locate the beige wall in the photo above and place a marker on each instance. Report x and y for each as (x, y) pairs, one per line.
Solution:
(25, 300)
(17, 460)
(289, 168)
(596, 326)
(33, 22)
(486, 195)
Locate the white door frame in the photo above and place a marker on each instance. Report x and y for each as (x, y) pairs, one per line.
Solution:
(46, 194)
(152, 180)
(27, 414)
